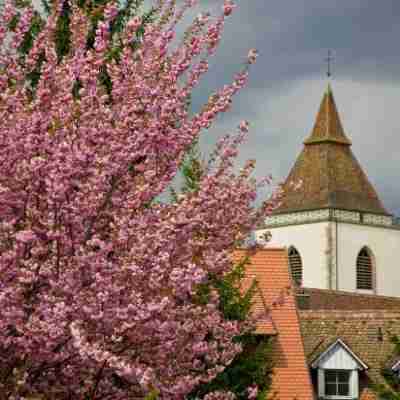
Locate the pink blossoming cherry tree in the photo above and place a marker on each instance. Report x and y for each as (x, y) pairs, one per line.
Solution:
(98, 280)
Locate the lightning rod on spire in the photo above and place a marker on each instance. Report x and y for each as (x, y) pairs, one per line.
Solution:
(329, 60)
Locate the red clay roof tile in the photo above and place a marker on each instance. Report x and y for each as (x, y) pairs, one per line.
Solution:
(291, 378)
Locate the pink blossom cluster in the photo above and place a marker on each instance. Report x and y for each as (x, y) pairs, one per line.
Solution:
(97, 280)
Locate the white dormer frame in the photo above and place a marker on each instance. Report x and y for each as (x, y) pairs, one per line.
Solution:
(396, 367)
(339, 357)
(317, 362)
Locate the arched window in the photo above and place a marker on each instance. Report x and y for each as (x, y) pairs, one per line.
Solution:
(365, 270)
(296, 266)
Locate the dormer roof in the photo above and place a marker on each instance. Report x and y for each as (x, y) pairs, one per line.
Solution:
(339, 356)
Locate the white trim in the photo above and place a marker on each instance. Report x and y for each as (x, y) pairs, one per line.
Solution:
(396, 366)
(353, 386)
(362, 365)
(321, 382)
(366, 291)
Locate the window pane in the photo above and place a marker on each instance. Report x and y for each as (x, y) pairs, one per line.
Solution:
(296, 266)
(364, 270)
(344, 389)
(343, 376)
(331, 389)
(330, 376)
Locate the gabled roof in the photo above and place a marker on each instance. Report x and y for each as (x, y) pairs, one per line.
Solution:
(301, 338)
(338, 344)
(326, 173)
(276, 298)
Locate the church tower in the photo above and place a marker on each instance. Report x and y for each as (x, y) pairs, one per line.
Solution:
(338, 234)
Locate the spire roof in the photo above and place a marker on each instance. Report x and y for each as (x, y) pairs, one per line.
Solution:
(328, 127)
(326, 174)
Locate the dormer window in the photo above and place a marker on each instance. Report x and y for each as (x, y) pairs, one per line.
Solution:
(337, 383)
(338, 372)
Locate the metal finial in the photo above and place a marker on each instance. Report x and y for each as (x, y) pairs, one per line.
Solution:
(329, 60)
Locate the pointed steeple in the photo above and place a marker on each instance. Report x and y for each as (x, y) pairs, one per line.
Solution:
(326, 174)
(328, 127)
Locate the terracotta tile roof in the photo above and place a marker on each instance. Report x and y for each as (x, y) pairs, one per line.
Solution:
(323, 299)
(367, 333)
(291, 379)
(331, 176)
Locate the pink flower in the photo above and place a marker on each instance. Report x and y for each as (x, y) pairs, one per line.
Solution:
(203, 18)
(244, 126)
(229, 6)
(90, 251)
(134, 23)
(252, 391)
(25, 236)
(140, 167)
(252, 55)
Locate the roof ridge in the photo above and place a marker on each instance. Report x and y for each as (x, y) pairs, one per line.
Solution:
(383, 313)
(303, 290)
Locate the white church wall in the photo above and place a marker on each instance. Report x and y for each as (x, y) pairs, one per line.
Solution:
(311, 242)
(384, 244)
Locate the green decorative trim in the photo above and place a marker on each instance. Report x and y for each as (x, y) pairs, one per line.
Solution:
(330, 208)
(395, 227)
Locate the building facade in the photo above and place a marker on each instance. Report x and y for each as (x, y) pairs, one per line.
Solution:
(325, 344)
(337, 232)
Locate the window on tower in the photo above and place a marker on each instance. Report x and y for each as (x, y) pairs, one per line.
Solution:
(296, 266)
(365, 278)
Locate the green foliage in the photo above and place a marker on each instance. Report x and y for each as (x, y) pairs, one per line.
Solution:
(248, 368)
(234, 303)
(46, 7)
(252, 366)
(390, 389)
(34, 76)
(192, 169)
(13, 23)
(63, 32)
(62, 37)
(153, 395)
(36, 27)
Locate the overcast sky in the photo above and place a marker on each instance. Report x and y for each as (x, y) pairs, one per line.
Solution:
(289, 78)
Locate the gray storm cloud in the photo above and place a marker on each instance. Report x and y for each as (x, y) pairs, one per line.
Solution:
(288, 80)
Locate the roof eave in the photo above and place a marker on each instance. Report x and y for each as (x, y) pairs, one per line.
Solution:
(310, 140)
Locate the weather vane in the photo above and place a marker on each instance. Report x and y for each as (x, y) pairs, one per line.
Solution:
(329, 60)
